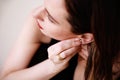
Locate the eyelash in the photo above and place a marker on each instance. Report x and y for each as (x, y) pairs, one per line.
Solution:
(50, 19)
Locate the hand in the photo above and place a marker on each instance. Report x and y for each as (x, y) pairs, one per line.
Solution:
(61, 52)
(82, 61)
(83, 53)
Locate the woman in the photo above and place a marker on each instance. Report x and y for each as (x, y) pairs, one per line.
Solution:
(73, 23)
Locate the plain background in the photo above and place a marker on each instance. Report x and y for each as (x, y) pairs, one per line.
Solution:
(13, 14)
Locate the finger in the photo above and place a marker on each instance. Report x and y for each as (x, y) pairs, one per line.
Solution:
(65, 56)
(68, 55)
(69, 52)
(84, 52)
(64, 45)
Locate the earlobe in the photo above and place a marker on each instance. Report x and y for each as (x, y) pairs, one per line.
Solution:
(87, 38)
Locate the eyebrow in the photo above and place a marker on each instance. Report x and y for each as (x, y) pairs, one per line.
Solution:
(51, 16)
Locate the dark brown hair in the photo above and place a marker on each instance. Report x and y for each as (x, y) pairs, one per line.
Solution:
(102, 18)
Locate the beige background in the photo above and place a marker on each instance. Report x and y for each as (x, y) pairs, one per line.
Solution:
(13, 13)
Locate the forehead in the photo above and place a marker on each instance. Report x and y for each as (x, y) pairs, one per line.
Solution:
(57, 9)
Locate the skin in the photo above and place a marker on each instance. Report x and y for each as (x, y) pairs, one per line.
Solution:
(31, 38)
(60, 30)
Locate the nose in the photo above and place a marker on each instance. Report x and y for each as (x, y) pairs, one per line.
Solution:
(39, 13)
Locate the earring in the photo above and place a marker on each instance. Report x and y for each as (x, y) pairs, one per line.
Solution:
(80, 40)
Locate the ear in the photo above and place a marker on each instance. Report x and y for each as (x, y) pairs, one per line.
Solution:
(87, 38)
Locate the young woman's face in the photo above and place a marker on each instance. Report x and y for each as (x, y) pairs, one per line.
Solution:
(52, 20)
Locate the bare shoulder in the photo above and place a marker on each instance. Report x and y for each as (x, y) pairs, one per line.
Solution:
(25, 47)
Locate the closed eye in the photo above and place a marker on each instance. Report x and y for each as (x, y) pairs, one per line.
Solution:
(51, 20)
(50, 17)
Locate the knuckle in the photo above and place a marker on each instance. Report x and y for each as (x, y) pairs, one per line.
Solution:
(74, 49)
(50, 49)
(69, 42)
(50, 57)
(50, 53)
(60, 48)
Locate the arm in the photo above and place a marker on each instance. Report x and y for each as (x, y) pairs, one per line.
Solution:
(25, 47)
(27, 44)
(42, 71)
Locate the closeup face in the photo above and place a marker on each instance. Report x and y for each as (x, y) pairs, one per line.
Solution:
(52, 20)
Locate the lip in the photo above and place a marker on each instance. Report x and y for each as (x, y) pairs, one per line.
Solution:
(38, 23)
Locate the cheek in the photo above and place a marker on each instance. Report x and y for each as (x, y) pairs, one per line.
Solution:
(59, 33)
(63, 35)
